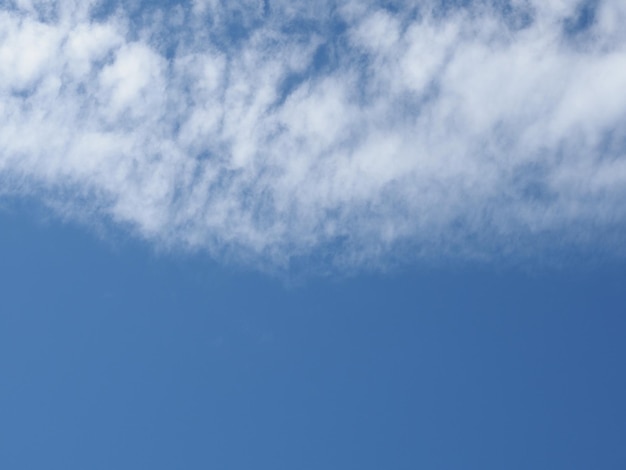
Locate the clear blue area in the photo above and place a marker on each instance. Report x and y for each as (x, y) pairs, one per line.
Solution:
(112, 357)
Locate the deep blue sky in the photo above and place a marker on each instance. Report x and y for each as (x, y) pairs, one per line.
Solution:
(114, 357)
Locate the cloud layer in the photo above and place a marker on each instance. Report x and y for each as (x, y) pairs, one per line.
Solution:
(276, 130)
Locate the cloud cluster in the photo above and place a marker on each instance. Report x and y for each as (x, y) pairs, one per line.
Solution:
(275, 130)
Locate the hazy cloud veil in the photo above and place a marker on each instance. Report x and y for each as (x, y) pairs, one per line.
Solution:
(272, 130)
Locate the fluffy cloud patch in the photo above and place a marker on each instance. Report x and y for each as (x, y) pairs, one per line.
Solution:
(277, 130)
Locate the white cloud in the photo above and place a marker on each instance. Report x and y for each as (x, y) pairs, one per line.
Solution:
(276, 130)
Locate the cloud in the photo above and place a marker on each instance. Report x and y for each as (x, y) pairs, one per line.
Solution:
(272, 131)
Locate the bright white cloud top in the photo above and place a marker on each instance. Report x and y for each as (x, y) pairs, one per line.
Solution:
(279, 129)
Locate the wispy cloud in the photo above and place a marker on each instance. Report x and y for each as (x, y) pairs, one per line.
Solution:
(279, 129)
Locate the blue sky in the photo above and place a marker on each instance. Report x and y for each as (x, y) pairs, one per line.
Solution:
(325, 235)
(113, 357)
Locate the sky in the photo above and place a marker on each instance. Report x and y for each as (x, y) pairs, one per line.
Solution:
(327, 235)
